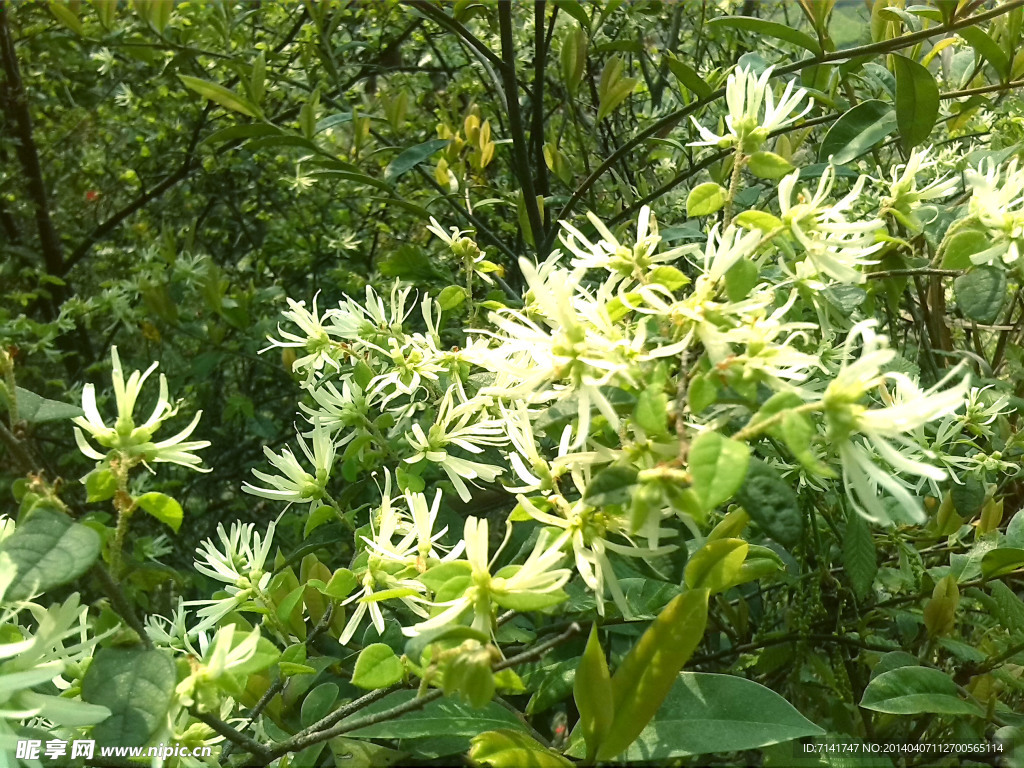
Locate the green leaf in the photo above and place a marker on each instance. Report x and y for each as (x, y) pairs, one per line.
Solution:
(651, 412)
(613, 88)
(513, 749)
(860, 560)
(445, 716)
(592, 692)
(48, 549)
(980, 293)
(412, 157)
(705, 199)
(36, 409)
(612, 485)
(717, 467)
(714, 714)
(716, 565)
(761, 220)
(318, 703)
(137, 686)
(741, 279)
(917, 101)
(647, 674)
(762, 27)
(668, 276)
(100, 485)
(63, 13)
(688, 77)
(768, 165)
(220, 95)
(377, 667)
(986, 47)
(857, 131)
(961, 246)
(915, 691)
(162, 507)
(1001, 561)
(771, 502)
(451, 297)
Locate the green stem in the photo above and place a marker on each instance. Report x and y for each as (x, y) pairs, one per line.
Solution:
(738, 161)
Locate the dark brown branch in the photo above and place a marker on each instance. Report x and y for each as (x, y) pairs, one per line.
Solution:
(16, 101)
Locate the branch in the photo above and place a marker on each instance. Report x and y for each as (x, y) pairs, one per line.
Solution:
(120, 603)
(520, 160)
(305, 739)
(18, 451)
(17, 103)
(235, 737)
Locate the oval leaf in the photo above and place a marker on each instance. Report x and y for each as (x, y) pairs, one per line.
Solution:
(717, 468)
(857, 131)
(713, 714)
(162, 507)
(980, 293)
(917, 101)
(48, 549)
(914, 691)
(137, 686)
(377, 667)
(705, 199)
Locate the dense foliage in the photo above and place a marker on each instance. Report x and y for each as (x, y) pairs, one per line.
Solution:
(526, 384)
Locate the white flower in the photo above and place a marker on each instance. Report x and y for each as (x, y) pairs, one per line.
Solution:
(125, 437)
(622, 262)
(537, 580)
(745, 95)
(36, 656)
(321, 350)
(239, 564)
(457, 426)
(905, 196)
(296, 484)
(816, 213)
(218, 658)
(858, 432)
(996, 201)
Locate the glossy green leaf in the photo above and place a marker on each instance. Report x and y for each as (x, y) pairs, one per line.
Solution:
(100, 485)
(915, 691)
(137, 686)
(48, 549)
(162, 507)
(318, 703)
(705, 199)
(716, 566)
(445, 716)
(220, 95)
(1001, 561)
(917, 101)
(377, 667)
(768, 165)
(707, 714)
(592, 692)
(612, 485)
(962, 246)
(647, 674)
(717, 467)
(688, 77)
(513, 749)
(987, 48)
(858, 129)
(411, 157)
